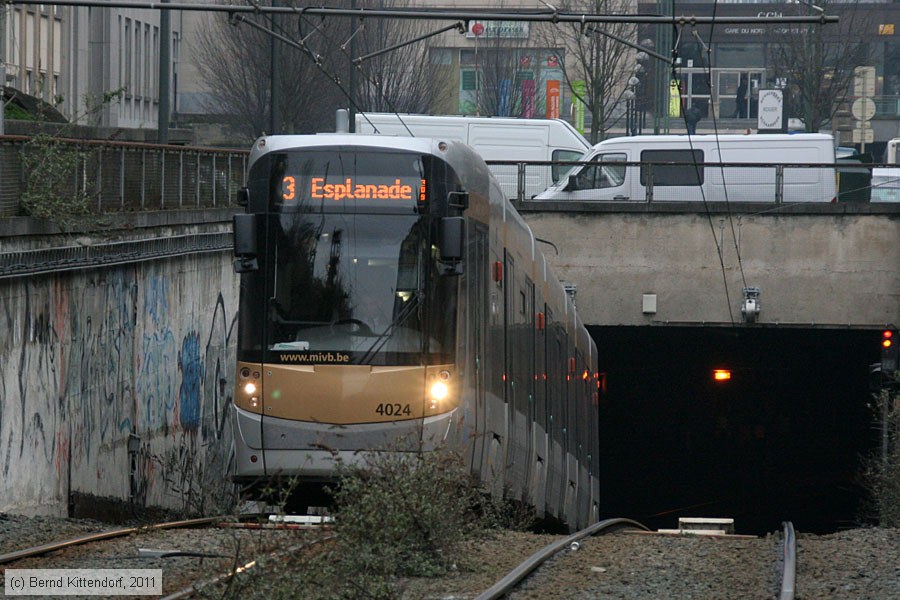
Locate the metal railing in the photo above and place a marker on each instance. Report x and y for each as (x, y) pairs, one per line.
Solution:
(128, 176)
(657, 182)
(70, 258)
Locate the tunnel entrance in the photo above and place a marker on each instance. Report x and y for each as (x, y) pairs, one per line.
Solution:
(782, 439)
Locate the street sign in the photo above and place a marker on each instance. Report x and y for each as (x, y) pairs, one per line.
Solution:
(770, 116)
(863, 109)
(863, 136)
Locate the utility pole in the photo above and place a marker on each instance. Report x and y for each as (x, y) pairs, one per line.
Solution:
(165, 62)
(2, 68)
(662, 44)
(275, 119)
(353, 71)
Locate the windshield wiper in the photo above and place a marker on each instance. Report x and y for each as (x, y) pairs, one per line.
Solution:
(401, 318)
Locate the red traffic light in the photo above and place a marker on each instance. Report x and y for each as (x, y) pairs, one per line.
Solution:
(887, 338)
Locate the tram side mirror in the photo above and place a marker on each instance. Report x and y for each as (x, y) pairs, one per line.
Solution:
(450, 238)
(243, 196)
(458, 200)
(245, 247)
(450, 243)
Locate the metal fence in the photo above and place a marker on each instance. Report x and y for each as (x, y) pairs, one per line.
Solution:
(674, 181)
(69, 258)
(127, 176)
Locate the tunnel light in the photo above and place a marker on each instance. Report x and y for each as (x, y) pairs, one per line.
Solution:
(721, 374)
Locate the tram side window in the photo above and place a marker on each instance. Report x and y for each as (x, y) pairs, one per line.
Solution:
(672, 167)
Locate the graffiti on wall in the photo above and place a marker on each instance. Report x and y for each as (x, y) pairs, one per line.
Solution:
(104, 372)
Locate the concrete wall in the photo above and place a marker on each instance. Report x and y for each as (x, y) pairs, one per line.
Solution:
(116, 382)
(827, 266)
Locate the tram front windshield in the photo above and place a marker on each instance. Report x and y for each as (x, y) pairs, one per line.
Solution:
(352, 274)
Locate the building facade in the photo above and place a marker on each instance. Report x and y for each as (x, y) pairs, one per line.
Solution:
(99, 66)
(75, 57)
(723, 68)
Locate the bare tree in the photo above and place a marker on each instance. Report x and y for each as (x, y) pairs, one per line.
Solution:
(235, 63)
(398, 80)
(595, 56)
(234, 60)
(500, 89)
(817, 61)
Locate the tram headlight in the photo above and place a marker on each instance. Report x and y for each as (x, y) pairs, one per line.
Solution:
(250, 388)
(439, 391)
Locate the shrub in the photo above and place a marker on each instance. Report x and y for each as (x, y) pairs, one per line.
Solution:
(396, 515)
(882, 470)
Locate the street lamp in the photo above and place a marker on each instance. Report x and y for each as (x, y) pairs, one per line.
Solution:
(631, 115)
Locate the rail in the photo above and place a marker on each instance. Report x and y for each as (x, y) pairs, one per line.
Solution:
(789, 562)
(121, 176)
(105, 535)
(512, 579)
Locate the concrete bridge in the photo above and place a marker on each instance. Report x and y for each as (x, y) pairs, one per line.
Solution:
(815, 265)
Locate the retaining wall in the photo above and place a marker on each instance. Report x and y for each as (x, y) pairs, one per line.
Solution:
(115, 381)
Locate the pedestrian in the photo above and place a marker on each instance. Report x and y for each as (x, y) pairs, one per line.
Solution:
(692, 116)
(740, 110)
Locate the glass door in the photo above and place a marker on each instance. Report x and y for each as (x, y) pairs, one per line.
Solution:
(695, 90)
(737, 92)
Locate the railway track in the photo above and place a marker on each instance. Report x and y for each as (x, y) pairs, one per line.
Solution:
(193, 554)
(44, 549)
(537, 577)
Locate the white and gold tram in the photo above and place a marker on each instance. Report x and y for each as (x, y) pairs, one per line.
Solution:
(393, 299)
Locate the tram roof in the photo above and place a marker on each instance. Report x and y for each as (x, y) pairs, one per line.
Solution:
(273, 143)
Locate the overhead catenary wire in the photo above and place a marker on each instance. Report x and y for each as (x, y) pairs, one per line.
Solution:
(550, 16)
(237, 18)
(715, 121)
(357, 63)
(697, 168)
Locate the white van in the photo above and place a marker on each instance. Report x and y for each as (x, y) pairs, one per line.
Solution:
(685, 178)
(494, 138)
(885, 185)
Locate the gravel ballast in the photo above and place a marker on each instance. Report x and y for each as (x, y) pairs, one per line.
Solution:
(859, 563)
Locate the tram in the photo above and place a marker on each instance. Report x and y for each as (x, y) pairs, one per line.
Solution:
(393, 300)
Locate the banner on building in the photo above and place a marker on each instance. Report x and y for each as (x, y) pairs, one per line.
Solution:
(579, 88)
(528, 98)
(497, 29)
(553, 99)
(503, 99)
